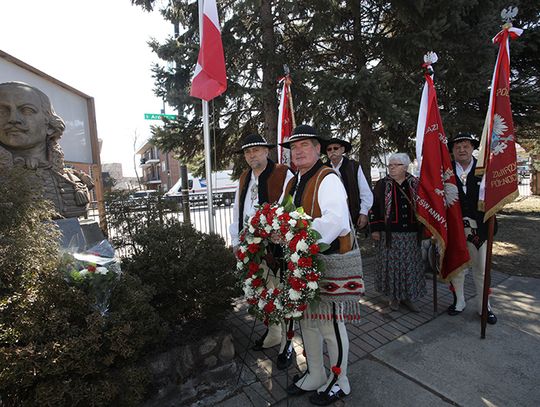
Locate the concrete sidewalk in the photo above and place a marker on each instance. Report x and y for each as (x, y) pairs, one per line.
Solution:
(405, 359)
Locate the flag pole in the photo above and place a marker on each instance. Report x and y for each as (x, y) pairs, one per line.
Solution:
(206, 138)
(487, 276)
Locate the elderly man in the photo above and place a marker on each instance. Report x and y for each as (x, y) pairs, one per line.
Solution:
(261, 183)
(356, 185)
(320, 192)
(462, 147)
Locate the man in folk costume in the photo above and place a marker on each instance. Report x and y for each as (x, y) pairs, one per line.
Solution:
(476, 231)
(262, 183)
(320, 192)
(355, 182)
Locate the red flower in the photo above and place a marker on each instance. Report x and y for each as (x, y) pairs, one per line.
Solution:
(253, 248)
(276, 292)
(241, 255)
(263, 233)
(311, 276)
(264, 293)
(291, 266)
(284, 217)
(91, 268)
(302, 234)
(269, 307)
(290, 334)
(301, 224)
(314, 248)
(253, 268)
(296, 283)
(265, 209)
(284, 229)
(336, 370)
(305, 262)
(302, 307)
(293, 242)
(252, 301)
(256, 282)
(255, 220)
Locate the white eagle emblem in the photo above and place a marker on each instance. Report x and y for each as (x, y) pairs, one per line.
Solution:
(498, 143)
(450, 192)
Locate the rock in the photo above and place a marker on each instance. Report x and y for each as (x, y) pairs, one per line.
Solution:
(227, 349)
(207, 346)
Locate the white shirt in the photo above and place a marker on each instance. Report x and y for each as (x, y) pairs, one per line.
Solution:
(332, 199)
(462, 173)
(251, 202)
(366, 196)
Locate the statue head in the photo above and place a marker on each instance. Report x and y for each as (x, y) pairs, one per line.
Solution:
(29, 126)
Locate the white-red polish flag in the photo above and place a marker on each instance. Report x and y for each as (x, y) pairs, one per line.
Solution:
(210, 78)
(438, 199)
(497, 160)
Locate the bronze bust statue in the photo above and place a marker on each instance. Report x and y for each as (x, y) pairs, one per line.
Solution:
(29, 134)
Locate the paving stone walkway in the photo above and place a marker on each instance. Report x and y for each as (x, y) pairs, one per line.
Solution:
(264, 385)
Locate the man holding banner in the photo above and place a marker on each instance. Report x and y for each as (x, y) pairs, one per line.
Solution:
(476, 230)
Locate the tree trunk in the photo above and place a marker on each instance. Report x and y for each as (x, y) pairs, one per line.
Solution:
(269, 77)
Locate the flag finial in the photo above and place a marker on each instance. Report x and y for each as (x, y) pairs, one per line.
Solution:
(508, 14)
(429, 59)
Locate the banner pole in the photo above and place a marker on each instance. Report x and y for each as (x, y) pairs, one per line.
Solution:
(487, 276)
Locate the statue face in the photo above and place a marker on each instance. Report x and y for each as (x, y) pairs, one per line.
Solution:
(23, 124)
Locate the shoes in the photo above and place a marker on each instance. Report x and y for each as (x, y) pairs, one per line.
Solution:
(491, 318)
(258, 345)
(284, 359)
(394, 305)
(325, 399)
(410, 306)
(294, 390)
(453, 311)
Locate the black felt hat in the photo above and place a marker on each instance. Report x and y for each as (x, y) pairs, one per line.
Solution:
(254, 140)
(462, 137)
(335, 140)
(303, 132)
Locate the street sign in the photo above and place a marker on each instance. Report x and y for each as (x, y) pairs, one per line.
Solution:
(158, 116)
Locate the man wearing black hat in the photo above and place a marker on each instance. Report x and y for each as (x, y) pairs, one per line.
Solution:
(261, 183)
(321, 193)
(476, 231)
(356, 185)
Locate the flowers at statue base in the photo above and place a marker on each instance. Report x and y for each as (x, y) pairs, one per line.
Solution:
(271, 226)
(94, 275)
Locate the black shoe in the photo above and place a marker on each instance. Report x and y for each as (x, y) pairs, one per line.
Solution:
(284, 359)
(491, 318)
(258, 345)
(294, 390)
(323, 399)
(453, 311)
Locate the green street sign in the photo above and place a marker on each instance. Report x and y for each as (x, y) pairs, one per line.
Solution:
(158, 116)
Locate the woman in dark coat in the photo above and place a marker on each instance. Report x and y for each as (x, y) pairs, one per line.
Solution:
(394, 227)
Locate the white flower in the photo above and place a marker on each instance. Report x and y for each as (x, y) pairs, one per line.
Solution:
(243, 249)
(251, 229)
(248, 292)
(268, 228)
(292, 222)
(278, 305)
(294, 215)
(312, 285)
(289, 236)
(279, 211)
(257, 240)
(295, 257)
(294, 295)
(101, 270)
(249, 239)
(83, 272)
(296, 314)
(246, 260)
(297, 273)
(302, 246)
(275, 224)
(239, 265)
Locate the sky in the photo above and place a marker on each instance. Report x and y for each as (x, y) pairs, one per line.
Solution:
(99, 47)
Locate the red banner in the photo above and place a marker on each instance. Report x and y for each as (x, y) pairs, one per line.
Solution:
(498, 159)
(285, 121)
(210, 78)
(438, 205)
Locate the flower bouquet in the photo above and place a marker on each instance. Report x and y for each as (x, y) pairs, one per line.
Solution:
(290, 228)
(94, 272)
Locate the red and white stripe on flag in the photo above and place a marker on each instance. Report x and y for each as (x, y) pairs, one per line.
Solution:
(285, 121)
(497, 160)
(210, 78)
(438, 205)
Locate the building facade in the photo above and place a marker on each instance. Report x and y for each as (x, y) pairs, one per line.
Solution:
(160, 170)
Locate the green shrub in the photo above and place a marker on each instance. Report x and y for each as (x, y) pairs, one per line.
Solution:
(192, 273)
